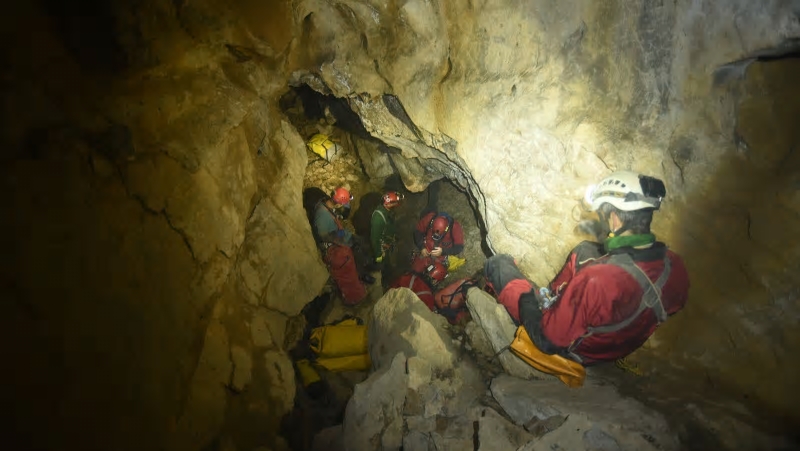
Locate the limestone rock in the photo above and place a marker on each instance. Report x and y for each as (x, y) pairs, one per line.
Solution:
(417, 441)
(478, 340)
(280, 374)
(329, 439)
(259, 330)
(376, 404)
(242, 368)
(623, 419)
(268, 328)
(499, 330)
(495, 433)
(402, 323)
(205, 407)
(280, 266)
(375, 158)
(579, 433)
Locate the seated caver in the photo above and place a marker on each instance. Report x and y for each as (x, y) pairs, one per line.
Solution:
(437, 236)
(608, 298)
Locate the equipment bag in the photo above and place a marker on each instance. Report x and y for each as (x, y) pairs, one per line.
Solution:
(323, 146)
(360, 362)
(342, 340)
(569, 372)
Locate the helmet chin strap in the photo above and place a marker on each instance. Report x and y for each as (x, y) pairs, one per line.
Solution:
(618, 232)
(604, 218)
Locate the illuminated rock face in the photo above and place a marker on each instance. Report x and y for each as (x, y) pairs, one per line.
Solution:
(151, 204)
(525, 103)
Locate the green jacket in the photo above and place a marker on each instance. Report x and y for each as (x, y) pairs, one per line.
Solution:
(382, 229)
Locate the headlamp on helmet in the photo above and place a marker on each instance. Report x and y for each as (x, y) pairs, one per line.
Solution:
(392, 198)
(342, 196)
(439, 227)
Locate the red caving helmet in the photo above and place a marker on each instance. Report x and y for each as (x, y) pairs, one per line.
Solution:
(391, 199)
(436, 271)
(439, 227)
(341, 196)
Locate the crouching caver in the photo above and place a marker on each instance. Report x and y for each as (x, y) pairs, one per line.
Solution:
(336, 244)
(437, 237)
(610, 297)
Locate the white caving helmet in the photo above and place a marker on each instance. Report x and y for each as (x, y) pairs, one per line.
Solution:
(627, 191)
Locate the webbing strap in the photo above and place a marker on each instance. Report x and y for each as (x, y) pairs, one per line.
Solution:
(650, 299)
(411, 286)
(382, 216)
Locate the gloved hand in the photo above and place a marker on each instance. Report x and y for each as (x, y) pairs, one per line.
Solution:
(379, 259)
(547, 297)
(424, 252)
(437, 251)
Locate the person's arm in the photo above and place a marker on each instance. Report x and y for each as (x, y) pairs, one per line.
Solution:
(377, 226)
(576, 309)
(458, 240)
(531, 318)
(563, 277)
(580, 254)
(421, 230)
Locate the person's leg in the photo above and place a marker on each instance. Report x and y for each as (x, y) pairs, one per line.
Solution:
(499, 329)
(342, 267)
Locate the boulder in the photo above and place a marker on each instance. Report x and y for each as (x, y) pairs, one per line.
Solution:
(599, 407)
(242, 368)
(281, 376)
(496, 433)
(376, 404)
(329, 439)
(279, 266)
(499, 330)
(402, 323)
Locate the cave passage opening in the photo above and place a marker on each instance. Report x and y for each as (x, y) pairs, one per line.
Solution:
(366, 167)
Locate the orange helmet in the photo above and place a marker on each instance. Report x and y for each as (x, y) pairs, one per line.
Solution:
(341, 196)
(440, 225)
(436, 271)
(392, 198)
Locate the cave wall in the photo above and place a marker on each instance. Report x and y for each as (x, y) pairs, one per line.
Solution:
(525, 103)
(154, 238)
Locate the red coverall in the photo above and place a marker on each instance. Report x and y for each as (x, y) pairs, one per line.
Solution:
(599, 294)
(452, 243)
(418, 285)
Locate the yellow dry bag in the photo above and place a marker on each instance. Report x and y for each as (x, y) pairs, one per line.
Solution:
(359, 362)
(567, 371)
(347, 338)
(323, 146)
